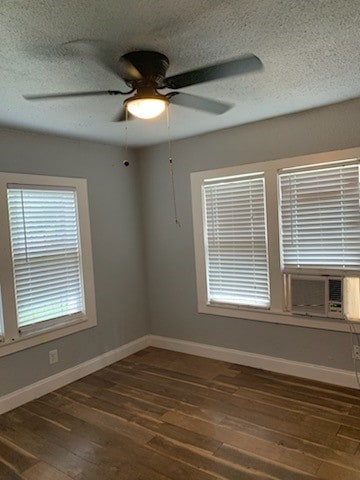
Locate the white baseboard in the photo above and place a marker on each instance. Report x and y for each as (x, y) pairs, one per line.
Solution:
(321, 373)
(275, 364)
(49, 384)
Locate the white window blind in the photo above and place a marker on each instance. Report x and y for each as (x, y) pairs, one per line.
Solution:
(236, 242)
(320, 218)
(46, 253)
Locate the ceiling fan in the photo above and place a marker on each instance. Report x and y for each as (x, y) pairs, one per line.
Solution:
(145, 73)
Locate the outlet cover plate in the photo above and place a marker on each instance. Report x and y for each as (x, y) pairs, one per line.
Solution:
(356, 352)
(53, 356)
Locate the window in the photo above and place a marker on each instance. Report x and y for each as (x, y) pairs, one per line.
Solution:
(46, 254)
(256, 224)
(236, 243)
(46, 279)
(320, 219)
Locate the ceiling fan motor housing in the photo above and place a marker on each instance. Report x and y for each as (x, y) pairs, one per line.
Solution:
(143, 68)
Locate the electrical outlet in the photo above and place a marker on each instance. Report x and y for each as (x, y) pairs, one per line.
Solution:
(356, 352)
(54, 357)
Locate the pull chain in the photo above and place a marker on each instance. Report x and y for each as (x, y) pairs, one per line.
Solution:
(126, 161)
(171, 167)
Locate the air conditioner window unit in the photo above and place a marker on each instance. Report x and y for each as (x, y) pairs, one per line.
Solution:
(318, 296)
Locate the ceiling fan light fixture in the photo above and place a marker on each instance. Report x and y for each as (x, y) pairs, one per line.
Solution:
(146, 108)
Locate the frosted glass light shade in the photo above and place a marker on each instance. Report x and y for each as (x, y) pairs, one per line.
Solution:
(146, 108)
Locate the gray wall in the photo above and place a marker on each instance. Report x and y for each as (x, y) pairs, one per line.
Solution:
(117, 249)
(131, 216)
(169, 250)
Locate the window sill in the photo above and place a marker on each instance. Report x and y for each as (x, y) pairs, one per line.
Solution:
(281, 317)
(38, 337)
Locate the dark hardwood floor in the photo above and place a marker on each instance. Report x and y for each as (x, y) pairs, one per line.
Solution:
(164, 415)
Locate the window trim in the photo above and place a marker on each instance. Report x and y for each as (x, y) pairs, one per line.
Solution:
(270, 169)
(14, 341)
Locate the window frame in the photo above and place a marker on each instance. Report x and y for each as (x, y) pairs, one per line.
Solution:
(270, 169)
(12, 340)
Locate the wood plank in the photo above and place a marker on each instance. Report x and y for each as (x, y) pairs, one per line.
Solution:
(355, 410)
(329, 471)
(17, 458)
(60, 458)
(46, 450)
(7, 472)
(81, 463)
(169, 403)
(100, 417)
(44, 471)
(205, 368)
(291, 381)
(248, 443)
(280, 420)
(296, 405)
(337, 451)
(136, 406)
(170, 373)
(231, 405)
(133, 429)
(349, 432)
(205, 463)
(311, 398)
(161, 415)
(41, 416)
(252, 462)
(154, 386)
(119, 451)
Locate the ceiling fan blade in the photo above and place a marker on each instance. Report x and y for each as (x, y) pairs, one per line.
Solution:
(127, 70)
(217, 71)
(102, 52)
(198, 103)
(53, 96)
(121, 116)
(143, 65)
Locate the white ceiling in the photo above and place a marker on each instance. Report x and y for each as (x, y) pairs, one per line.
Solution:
(310, 50)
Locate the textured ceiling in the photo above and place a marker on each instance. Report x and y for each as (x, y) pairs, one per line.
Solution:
(310, 50)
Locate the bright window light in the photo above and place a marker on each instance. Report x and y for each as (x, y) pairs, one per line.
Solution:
(352, 298)
(236, 242)
(46, 253)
